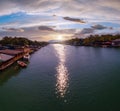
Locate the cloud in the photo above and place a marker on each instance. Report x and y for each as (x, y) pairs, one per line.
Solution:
(101, 27)
(74, 19)
(85, 9)
(38, 33)
(66, 31)
(111, 28)
(13, 29)
(28, 6)
(84, 32)
(87, 31)
(45, 28)
(91, 30)
(37, 17)
(72, 8)
(98, 27)
(7, 7)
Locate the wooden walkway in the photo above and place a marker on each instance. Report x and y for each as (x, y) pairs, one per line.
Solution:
(8, 63)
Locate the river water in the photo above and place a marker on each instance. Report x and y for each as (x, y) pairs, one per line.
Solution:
(64, 78)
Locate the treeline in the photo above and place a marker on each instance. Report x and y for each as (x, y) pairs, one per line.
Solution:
(92, 39)
(19, 41)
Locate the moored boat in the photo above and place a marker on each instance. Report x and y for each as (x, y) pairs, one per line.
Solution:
(22, 64)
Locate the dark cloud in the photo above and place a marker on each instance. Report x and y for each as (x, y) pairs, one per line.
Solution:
(111, 28)
(74, 19)
(45, 28)
(84, 32)
(13, 29)
(92, 29)
(66, 31)
(87, 31)
(98, 27)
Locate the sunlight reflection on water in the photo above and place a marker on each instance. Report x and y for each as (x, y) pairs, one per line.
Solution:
(62, 71)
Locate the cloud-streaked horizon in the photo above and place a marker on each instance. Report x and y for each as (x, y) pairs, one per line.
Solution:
(44, 18)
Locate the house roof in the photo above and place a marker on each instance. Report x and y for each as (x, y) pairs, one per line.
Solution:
(5, 57)
(10, 52)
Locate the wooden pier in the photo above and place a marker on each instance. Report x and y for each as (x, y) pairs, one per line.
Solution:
(16, 56)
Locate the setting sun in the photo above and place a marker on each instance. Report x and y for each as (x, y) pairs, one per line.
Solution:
(60, 37)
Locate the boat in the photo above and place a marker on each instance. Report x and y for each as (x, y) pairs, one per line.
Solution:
(21, 63)
(26, 56)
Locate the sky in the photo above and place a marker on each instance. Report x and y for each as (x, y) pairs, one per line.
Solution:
(46, 20)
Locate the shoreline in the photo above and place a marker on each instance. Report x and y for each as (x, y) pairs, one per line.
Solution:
(15, 56)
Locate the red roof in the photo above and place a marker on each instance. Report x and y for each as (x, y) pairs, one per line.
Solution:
(5, 57)
(10, 52)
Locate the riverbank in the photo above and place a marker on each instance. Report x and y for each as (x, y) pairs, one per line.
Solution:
(9, 54)
(95, 41)
(14, 48)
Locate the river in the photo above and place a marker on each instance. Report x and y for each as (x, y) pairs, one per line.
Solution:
(64, 78)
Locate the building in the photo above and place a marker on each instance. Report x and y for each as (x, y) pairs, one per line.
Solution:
(5, 60)
(11, 52)
(5, 57)
(8, 57)
(116, 43)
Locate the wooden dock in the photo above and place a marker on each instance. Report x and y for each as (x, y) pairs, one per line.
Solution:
(17, 56)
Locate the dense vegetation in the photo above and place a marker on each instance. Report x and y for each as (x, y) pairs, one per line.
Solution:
(19, 41)
(92, 39)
